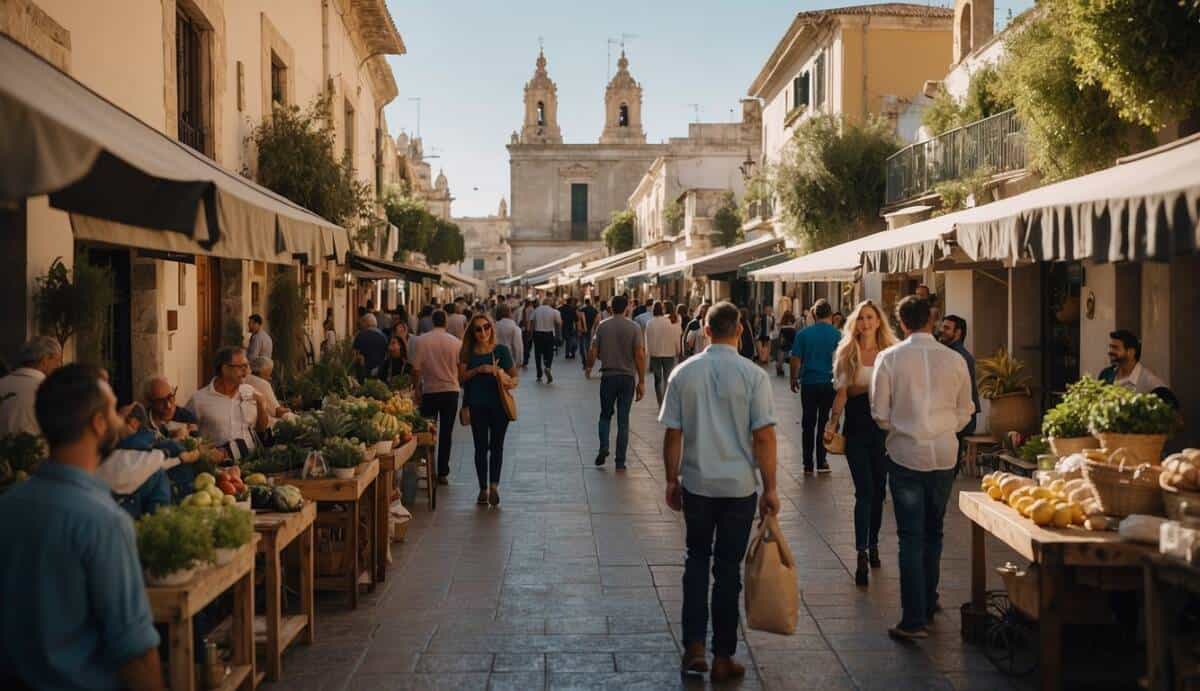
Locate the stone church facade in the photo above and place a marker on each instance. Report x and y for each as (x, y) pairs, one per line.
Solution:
(563, 195)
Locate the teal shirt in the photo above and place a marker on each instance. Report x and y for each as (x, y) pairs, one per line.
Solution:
(74, 604)
(718, 399)
(815, 346)
(481, 390)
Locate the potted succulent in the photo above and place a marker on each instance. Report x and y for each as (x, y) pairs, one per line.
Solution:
(172, 542)
(1066, 424)
(343, 456)
(1003, 381)
(1137, 422)
(232, 527)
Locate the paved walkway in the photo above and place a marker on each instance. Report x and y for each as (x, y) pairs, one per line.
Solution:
(574, 582)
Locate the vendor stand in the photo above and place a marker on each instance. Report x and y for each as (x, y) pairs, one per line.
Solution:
(427, 445)
(175, 606)
(345, 527)
(276, 630)
(1065, 557)
(389, 464)
(1172, 659)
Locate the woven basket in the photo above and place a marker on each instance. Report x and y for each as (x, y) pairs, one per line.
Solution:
(1065, 446)
(1174, 499)
(1124, 488)
(1147, 447)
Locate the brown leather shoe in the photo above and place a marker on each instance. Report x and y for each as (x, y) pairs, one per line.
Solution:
(725, 669)
(694, 660)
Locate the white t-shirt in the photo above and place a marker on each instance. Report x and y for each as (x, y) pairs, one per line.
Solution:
(17, 411)
(546, 318)
(224, 418)
(662, 337)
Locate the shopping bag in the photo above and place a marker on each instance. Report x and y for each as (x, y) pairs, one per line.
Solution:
(772, 593)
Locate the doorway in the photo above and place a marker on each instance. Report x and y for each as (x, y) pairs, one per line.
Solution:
(116, 349)
(1062, 286)
(208, 315)
(579, 211)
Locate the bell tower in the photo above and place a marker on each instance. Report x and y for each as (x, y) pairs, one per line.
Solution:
(623, 108)
(541, 108)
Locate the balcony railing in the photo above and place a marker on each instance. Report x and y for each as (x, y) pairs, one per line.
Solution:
(760, 208)
(192, 135)
(995, 143)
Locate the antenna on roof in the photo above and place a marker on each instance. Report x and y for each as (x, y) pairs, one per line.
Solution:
(696, 108)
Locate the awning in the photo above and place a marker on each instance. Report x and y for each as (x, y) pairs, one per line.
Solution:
(730, 258)
(452, 279)
(539, 274)
(1145, 207)
(837, 263)
(618, 271)
(596, 265)
(769, 260)
(96, 160)
(408, 272)
(910, 248)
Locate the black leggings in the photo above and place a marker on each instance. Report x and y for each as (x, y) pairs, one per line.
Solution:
(488, 426)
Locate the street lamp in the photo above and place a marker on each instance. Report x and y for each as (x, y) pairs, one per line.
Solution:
(747, 166)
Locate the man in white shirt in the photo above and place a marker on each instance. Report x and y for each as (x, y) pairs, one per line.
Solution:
(1126, 368)
(229, 410)
(508, 333)
(435, 365)
(921, 396)
(456, 321)
(18, 390)
(663, 345)
(547, 325)
(260, 378)
(260, 344)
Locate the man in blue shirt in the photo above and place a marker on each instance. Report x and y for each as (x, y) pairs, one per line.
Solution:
(75, 613)
(812, 376)
(720, 420)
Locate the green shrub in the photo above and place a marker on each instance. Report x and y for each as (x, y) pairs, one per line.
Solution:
(173, 539)
(618, 236)
(727, 221)
(340, 452)
(1121, 411)
(285, 317)
(1070, 417)
(232, 526)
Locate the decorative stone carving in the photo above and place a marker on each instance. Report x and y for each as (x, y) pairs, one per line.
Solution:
(575, 170)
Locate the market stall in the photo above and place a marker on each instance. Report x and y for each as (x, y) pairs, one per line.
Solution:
(389, 464)
(277, 629)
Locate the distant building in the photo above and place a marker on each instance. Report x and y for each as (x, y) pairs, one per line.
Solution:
(488, 256)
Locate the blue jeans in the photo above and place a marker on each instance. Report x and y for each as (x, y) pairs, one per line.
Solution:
(920, 499)
(661, 368)
(729, 521)
(616, 390)
(868, 461)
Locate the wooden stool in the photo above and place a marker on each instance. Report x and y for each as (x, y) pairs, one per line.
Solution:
(974, 442)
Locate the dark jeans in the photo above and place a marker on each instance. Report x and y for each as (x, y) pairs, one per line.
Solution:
(920, 499)
(730, 521)
(815, 402)
(661, 368)
(570, 341)
(868, 461)
(442, 406)
(616, 391)
(543, 342)
(488, 426)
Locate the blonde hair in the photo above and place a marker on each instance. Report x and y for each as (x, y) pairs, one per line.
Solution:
(848, 359)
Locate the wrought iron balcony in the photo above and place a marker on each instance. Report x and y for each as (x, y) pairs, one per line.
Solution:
(192, 135)
(995, 143)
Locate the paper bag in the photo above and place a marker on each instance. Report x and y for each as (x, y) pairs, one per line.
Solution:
(772, 594)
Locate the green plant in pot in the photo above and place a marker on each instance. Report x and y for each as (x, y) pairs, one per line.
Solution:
(1066, 424)
(1137, 422)
(172, 542)
(342, 455)
(232, 527)
(1003, 381)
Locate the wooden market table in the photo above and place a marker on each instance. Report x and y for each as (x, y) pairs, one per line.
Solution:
(427, 442)
(1170, 658)
(175, 606)
(277, 630)
(346, 530)
(1053, 550)
(389, 464)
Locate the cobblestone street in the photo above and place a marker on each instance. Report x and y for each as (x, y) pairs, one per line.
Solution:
(574, 582)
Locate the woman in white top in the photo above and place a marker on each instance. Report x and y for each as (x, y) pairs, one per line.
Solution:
(866, 333)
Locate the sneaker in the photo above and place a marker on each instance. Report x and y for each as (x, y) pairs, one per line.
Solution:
(493, 496)
(908, 634)
(621, 466)
(873, 557)
(824, 469)
(601, 457)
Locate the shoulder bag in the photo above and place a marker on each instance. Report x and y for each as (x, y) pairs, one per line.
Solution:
(507, 400)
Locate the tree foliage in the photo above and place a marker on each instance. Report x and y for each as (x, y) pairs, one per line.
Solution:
(727, 221)
(75, 302)
(446, 246)
(985, 97)
(673, 216)
(1070, 126)
(1144, 54)
(831, 179)
(618, 236)
(416, 225)
(297, 159)
(285, 319)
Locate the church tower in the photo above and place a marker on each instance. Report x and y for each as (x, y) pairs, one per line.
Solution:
(623, 108)
(541, 108)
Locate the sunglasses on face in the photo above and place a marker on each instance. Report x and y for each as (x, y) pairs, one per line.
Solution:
(483, 328)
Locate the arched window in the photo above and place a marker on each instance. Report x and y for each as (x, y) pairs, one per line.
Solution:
(541, 114)
(966, 33)
(623, 116)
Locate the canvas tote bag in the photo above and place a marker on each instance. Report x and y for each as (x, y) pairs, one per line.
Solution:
(772, 594)
(507, 400)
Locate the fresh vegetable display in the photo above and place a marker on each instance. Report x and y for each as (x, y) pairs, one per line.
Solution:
(368, 432)
(1060, 504)
(287, 498)
(1069, 419)
(1033, 447)
(391, 426)
(281, 458)
(299, 430)
(400, 382)
(1121, 411)
(340, 452)
(399, 406)
(173, 539)
(376, 389)
(231, 526)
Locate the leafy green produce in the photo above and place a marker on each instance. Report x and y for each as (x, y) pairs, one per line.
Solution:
(173, 539)
(1033, 447)
(400, 382)
(1121, 411)
(376, 389)
(232, 527)
(339, 452)
(280, 458)
(1070, 417)
(302, 430)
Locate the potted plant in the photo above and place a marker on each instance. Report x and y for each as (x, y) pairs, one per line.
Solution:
(20, 454)
(1066, 424)
(172, 542)
(343, 456)
(232, 527)
(1139, 423)
(1003, 381)
(372, 434)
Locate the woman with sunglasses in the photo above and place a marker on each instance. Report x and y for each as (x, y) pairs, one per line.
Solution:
(483, 367)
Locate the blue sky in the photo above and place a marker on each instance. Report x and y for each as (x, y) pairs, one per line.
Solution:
(468, 61)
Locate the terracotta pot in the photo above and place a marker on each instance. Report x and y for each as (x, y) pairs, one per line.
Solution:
(1065, 446)
(1014, 412)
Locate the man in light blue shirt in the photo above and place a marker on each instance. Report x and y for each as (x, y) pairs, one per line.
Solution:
(75, 612)
(812, 376)
(720, 420)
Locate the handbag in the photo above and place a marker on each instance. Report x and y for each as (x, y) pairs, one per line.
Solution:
(464, 416)
(507, 400)
(772, 593)
(837, 445)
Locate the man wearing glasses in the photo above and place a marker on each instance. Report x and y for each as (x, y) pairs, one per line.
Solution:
(229, 410)
(166, 418)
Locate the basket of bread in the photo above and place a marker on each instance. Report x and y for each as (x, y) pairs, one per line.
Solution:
(1124, 485)
(1180, 483)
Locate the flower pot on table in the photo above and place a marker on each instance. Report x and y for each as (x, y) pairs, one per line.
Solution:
(344, 473)
(1147, 447)
(177, 577)
(1065, 446)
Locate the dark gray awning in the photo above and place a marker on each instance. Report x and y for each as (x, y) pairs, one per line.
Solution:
(98, 161)
(373, 266)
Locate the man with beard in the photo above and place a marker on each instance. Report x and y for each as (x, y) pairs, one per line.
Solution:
(75, 609)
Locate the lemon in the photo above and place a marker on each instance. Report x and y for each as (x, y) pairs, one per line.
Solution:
(1063, 515)
(1041, 511)
(1022, 505)
(995, 493)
